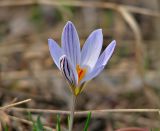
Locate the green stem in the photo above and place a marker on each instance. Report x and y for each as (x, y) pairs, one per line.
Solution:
(72, 112)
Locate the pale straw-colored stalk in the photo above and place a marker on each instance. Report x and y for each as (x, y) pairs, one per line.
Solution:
(72, 112)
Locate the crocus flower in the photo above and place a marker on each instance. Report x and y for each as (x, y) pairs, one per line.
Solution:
(79, 66)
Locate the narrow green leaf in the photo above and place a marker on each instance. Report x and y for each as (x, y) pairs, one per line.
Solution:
(30, 116)
(34, 128)
(6, 128)
(39, 124)
(58, 127)
(87, 121)
(154, 129)
(68, 121)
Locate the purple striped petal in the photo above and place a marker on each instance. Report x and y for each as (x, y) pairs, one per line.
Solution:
(55, 51)
(71, 44)
(92, 49)
(68, 71)
(105, 56)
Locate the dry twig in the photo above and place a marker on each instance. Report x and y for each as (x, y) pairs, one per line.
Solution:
(84, 113)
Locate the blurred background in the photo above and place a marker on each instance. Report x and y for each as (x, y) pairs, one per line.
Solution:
(131, 78)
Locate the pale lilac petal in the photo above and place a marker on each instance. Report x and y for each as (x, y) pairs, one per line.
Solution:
(92, 49)
(71, 44)
(95, 72)
(55, 51)
(105, 56)
(68, 71)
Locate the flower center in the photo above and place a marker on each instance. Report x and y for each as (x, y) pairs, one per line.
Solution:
(81, 72)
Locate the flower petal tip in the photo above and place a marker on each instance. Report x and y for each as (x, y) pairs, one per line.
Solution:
(69, 23)
(98, 31)
(49, 39)
(51, 42)
(113, 43)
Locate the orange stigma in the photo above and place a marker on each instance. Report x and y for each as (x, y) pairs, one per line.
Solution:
(81, 72)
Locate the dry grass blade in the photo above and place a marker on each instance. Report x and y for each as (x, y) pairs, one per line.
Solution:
(139, 46)
(4, 119)
(28, 122)
(4, 3)
(140, 51)
(14, 104)
(104, 5)
(143, 121)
